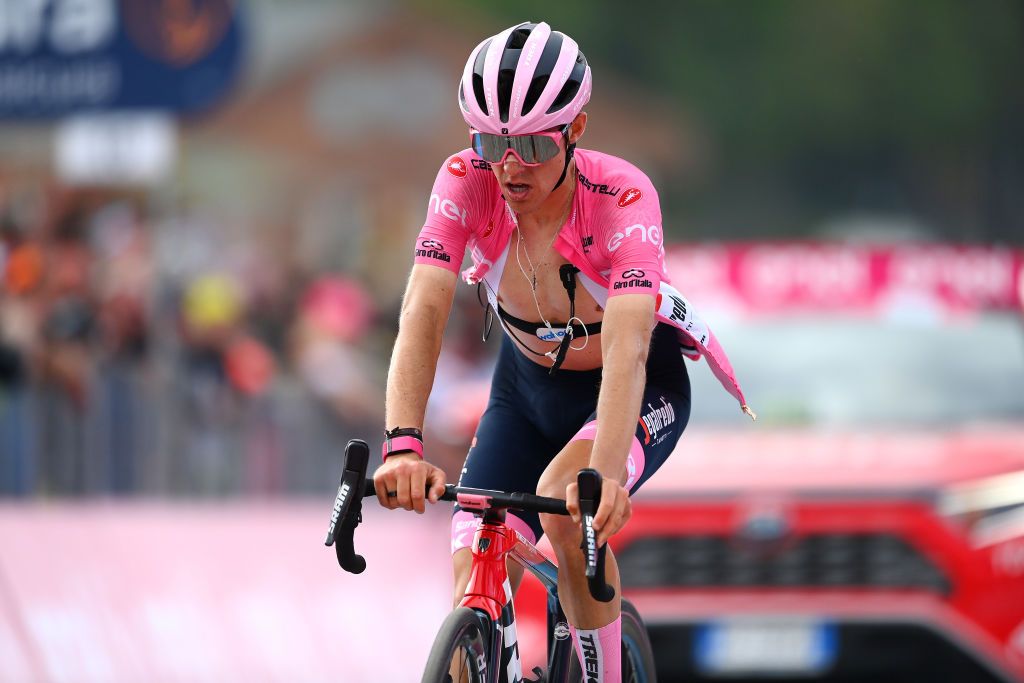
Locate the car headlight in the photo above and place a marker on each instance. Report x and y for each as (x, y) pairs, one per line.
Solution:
(991, 509)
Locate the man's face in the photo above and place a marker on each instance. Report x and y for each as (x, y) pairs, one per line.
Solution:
(525, 188)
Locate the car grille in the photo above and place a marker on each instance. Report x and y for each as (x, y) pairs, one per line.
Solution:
(821, 560)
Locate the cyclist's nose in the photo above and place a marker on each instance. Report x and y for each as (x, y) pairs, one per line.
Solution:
(512, 168)
(511, 163)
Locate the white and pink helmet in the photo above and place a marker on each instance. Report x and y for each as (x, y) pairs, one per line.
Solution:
(526, 79)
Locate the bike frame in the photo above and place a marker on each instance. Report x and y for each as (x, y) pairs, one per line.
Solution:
(488, 593)
(493, 544)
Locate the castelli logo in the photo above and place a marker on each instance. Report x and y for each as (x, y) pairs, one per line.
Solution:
(629, 197)
(457, 167)
(488, 230)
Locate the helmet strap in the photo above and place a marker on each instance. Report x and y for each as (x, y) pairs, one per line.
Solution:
(570, 148)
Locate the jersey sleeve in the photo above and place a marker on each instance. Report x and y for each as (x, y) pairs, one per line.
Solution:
(455, 207)
(636, 250)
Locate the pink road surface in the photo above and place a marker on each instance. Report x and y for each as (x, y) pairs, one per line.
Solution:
(139, 591)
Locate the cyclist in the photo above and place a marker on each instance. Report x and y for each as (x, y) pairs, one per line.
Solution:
(587, 376)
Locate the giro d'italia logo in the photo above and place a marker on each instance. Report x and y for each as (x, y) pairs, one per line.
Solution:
(177, 32)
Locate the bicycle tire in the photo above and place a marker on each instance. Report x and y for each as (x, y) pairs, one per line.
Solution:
(460, 635)
(637, 655)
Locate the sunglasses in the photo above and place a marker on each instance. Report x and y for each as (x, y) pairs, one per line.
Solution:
(529, 150)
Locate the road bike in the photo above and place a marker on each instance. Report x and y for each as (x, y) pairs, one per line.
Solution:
(477, 641)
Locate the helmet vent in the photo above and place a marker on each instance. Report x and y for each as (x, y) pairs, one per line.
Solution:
(519, 36)
(478, 77)
(505, 79)
(572, 86)
(545, 65)
(507, 68)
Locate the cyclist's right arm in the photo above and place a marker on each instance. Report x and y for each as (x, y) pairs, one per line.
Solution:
(425, 309)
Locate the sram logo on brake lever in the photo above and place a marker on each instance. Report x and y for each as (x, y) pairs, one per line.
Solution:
(590, 544)
(353, 471)
(344, 491)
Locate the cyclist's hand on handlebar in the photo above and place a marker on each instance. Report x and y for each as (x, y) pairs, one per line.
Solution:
(406, 476)
(613, 512)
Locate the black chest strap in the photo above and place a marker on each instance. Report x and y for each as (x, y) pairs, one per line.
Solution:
(567, 275)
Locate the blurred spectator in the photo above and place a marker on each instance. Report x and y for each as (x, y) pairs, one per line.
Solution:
(334, 316)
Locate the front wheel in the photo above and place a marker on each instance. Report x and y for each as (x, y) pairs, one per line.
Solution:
(637, 656)
(459, 653)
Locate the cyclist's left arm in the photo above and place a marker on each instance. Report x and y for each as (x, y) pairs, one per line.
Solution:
(625, 340)
(635, 253)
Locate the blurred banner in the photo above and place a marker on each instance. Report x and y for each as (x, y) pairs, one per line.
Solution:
(60, 57)
(213, 592)
(766, 277)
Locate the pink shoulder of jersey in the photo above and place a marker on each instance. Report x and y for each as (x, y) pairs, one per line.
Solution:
(621, 223)
(614, 236)
(616, 224)
(464, 192)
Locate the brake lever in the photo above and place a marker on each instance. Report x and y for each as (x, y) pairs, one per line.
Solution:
(589, 483)
(347, 512)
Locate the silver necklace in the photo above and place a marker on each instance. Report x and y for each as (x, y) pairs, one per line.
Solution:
(532, 277)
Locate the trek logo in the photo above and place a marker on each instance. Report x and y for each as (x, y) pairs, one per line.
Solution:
(457, 167)
(592, 665)
(448, 209)
(552, 335)
(629, 197)
(634, 277)
(656, 419)
(597, 188)
(433, 249)
(646, 234)
(480, 164)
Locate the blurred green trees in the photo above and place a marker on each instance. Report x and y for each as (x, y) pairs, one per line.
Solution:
(816, 109)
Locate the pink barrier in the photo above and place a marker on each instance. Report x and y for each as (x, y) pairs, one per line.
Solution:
(215, 592)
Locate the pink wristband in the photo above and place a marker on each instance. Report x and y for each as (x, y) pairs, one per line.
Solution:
(401, 444)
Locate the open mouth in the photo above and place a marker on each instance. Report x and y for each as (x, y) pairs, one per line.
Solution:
(516, 190)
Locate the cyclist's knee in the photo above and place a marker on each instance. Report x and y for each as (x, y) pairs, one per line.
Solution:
(561, 531)
(551, 485)
(563, 468)
(555, 526)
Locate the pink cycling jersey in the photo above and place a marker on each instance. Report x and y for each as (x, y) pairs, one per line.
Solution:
(613, 235)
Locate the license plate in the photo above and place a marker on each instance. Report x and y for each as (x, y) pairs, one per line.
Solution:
(765, 646)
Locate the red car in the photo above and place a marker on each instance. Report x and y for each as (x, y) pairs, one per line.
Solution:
(870, 525)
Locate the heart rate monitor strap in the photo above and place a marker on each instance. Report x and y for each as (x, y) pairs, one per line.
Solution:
(567, 274)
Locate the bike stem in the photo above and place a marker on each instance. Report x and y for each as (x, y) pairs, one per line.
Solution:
(492, 543)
